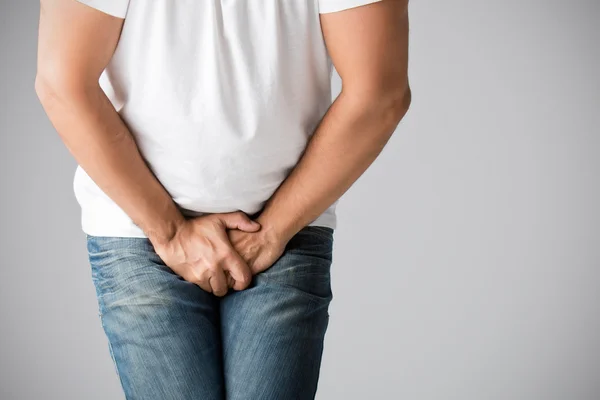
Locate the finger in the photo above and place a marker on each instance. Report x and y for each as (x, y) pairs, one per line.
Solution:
(218, 282)
(230, 280)
(238, 270)
(202, 280)
(204, 285)
(239, 220)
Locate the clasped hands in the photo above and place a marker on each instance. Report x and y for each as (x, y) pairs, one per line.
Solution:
(221, 251)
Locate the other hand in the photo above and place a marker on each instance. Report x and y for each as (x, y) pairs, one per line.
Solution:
(259, 249)
(201, 253)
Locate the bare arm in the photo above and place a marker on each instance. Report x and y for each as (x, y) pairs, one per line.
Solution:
(369, 48)
(76, 42)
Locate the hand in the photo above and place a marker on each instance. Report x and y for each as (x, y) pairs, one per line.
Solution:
(201, 253)
(258, 249)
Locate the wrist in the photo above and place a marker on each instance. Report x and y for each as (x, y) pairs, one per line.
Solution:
(165, 231)
(275, 229)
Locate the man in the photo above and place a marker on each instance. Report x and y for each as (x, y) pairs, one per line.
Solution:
(210, 161)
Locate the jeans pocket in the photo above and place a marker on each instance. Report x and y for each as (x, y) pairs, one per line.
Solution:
(305, 264)
(115, 262)
(308, 275)
(324, 232)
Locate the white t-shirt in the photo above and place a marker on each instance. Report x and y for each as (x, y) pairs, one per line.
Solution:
(221, 97)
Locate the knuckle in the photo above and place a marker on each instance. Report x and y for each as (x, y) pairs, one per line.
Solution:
(229, 257)
(210, 266)
(245, 281)
(224, 254)
(245, 278)
(197, 274)
(243, 284)
(246, 275)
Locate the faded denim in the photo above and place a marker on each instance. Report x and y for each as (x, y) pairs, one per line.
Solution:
(171, 340)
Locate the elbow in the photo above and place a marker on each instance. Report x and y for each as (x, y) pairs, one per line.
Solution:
(50, 95)
(56, 86)
(386, 106)
(50, 91)
(43, 89)
(395, 103)
(48, 80)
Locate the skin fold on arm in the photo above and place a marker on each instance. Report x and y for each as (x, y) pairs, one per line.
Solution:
(369, 48)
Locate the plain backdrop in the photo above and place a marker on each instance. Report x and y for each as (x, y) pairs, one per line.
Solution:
(466, 259)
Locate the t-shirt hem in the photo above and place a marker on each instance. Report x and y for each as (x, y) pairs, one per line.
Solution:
(339, 5)
(126, 228)
(116, 8)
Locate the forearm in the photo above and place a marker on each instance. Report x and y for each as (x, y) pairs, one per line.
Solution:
(102, 145)
(349, 138)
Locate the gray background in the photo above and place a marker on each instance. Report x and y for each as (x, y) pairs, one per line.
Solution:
(466, 261)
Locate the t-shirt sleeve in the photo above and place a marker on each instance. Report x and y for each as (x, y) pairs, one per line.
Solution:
(327, 6)
(116, 8)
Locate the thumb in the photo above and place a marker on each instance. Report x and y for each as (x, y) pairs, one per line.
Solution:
(239, 220)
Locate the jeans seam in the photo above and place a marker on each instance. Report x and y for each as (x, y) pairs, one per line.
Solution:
(111, 351)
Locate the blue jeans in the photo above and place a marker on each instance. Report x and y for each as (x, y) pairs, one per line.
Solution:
(171, 340)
